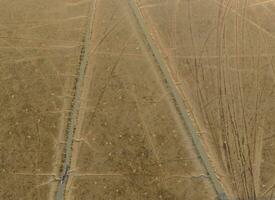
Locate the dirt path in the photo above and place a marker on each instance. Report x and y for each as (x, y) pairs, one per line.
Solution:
(178, 101)
(75, 107)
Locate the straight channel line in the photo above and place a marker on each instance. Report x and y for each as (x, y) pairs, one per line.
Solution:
(177, 100)
(75, 104)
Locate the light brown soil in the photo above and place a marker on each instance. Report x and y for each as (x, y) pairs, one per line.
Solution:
(129, 139)
(39, 54)
(131, 143)
(220, 53)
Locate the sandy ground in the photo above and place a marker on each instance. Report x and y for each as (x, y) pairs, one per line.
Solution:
(129, 141)
(39, 53)
(222, 62)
